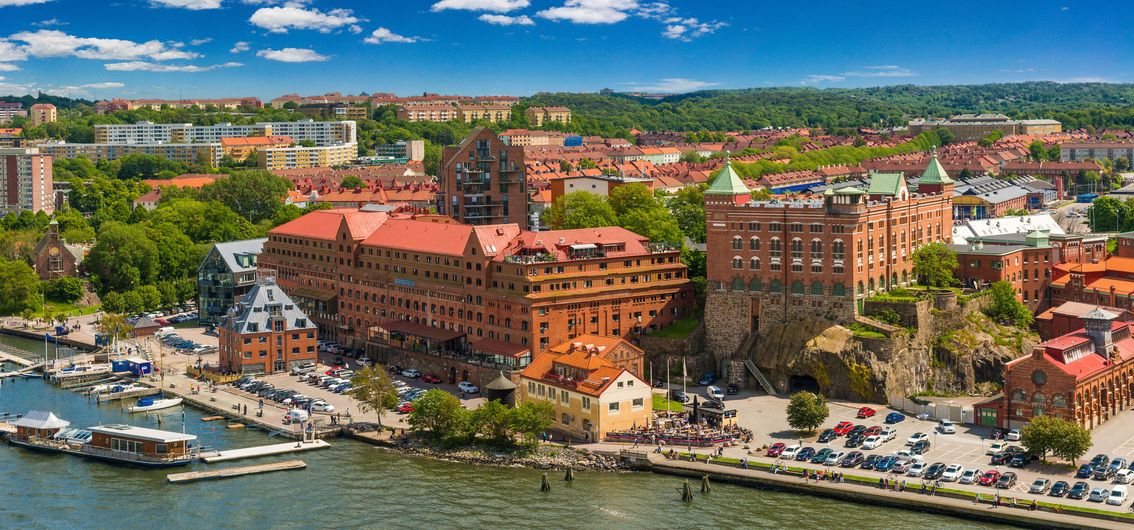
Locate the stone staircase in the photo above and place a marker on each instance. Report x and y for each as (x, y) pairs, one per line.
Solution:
(745, 350)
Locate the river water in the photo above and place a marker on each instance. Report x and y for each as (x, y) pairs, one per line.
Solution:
(354, 485)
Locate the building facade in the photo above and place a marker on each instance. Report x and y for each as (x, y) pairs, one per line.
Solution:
(265, 333)
(768, 261)
(11, 109)
(969, 127)
(1025, 261)
(590, 395)
(225, 276)
(26, 181)
(41, 113)
(482, 181)
(54, 258)
(540, 115)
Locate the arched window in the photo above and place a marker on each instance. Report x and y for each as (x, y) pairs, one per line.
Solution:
(816, 249)
(797, 287)
(755, 285)
(737, 243)
(870, 285)
(1039, 398)
(816, 287)
(775, 287)
(754, 243)
(737, 284)
(754, 264)
(838, 249)
(838, 289)
(1018, 396)
(737, 262)
(905, 278)
(797, 248)
(1058, 400)
(775, 247)
(860, 290)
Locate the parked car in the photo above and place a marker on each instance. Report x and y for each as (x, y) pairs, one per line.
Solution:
(432, 379)
(1124, 476)
(947, 427)
(1013, 435)
(468, 388)
(821, 455)
(1118, 495)
(901, 466)
(1059, 489)
(905, 456)
(852, 459)
(995, 447)
(827, 436)
(870, 461)
(872, 430)
(895, 417)
(1098, 495)
(1104, 473)
(917, 470)
(989, 477)
(854, 440)
(322, 406)
(934, 471)
(790, 452)
(998, 433)
(835, 458)
(1040, 485)
(1006, 481)
(969, 476)
(916, 437)
(678, 396)
(866, 412)
(1079, 490)
(843, 428)
(776, 449)
(873, 442)
(952, 473)
(707, 379)
(920, 447)
(888, 433)
(1005, 456)
(405, 407)
(411, 373)
(714, 392)
(885, 464)
(1099, 460)
(805, 454)
(731, 389)
(858, 429)
(1021, 460)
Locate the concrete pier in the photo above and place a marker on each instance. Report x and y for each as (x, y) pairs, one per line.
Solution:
(265, 450)
(179, 478)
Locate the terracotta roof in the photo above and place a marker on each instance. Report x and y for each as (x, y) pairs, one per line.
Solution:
(494, 238)
(190, 180)
(324, 224)
(256, 140)
(600, 373)
(418, 236)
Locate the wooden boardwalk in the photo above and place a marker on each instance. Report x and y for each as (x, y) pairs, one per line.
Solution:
(265, 450)
(228, 472)
(8, 353)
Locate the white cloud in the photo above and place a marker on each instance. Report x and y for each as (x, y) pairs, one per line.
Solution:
(496, 6)
(103, 86)
(294, 16)
(505, 20)
(54, 43)
(7, 3)
(49, 22)
(687, 29)
(10, 52)
(188, 4)
(198, 42)
(591, 11)
(292, 55)
(8, 67)
(239, 46)
(143, 66)
(382, 35)
(822, 78)
(671, 84)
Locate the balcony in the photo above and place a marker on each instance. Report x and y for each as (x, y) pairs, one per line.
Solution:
(657, 248)
(536, 258)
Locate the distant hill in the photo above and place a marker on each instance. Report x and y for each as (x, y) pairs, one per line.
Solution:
(58, 101)
(1077, 105)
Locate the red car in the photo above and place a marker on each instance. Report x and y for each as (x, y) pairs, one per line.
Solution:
(405, 408)
(873, 430)
(776, 449)
(866, 412)
(989, 477)
(843, 428)
(431, 378)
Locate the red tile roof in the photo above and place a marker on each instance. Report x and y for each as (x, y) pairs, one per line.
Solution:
(419, 236)
(324, 224)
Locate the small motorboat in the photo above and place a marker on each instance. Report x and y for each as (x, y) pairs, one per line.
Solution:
(147, 404)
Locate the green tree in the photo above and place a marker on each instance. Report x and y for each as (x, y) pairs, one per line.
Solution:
(1042, 435)
(638, 210)
(204, 221)
(493, 420)
(177, 257)
(19, 287)
(688, 207)
(352, 182)
(934, 265)
(761, 194)
(1006, 308)
(124, 258)
(1037, 151)
(374, 390)
(140, 166)
(807, 411)
(255, 195)
(530, 419)
(580, 209)
(1074, 441)
(438, 412)
(65, 290)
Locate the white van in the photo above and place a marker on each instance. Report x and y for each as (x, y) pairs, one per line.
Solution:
(161, 332)
(296, 416)
(1118, 495)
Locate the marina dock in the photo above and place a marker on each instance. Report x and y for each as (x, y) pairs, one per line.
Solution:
(7, 353)
(192, 476)
(265, 450)
(137, 392)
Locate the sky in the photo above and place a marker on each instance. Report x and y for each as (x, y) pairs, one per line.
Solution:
(235, 48)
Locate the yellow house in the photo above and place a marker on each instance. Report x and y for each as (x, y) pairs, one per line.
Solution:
(590, 395)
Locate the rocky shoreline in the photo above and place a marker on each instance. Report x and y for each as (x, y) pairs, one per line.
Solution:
(546, 456)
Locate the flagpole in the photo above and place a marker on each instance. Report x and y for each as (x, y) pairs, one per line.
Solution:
(667, 359)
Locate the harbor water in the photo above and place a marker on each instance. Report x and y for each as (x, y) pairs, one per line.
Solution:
(354, 485)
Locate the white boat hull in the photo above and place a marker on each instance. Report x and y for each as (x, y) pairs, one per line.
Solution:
(157, 405)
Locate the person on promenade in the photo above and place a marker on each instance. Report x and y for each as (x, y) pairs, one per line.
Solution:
(1034, 506)
(1013, 502)
(996, 500)
(881, 483)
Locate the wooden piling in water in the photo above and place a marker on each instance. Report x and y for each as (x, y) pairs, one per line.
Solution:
(686, 491)
(544, 485)
(705, 484)
(570, 475)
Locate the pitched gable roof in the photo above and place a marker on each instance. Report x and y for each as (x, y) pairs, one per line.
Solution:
(727, 183)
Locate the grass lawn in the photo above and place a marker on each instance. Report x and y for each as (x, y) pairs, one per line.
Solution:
(54, 308)
(679, 330)
(660, 404)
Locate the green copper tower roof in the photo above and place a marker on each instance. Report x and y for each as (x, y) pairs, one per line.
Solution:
(885, 184)
(728, 183)
(934, 173)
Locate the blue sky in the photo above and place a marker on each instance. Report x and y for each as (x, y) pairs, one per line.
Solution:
(265, 48)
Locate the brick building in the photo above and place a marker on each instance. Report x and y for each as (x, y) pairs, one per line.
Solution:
(772, 260)
(1024, 260)
(54, 258)
(1109, 282)
(265, 332)
(1068, 317)
(1084, 376)
(482, 181)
